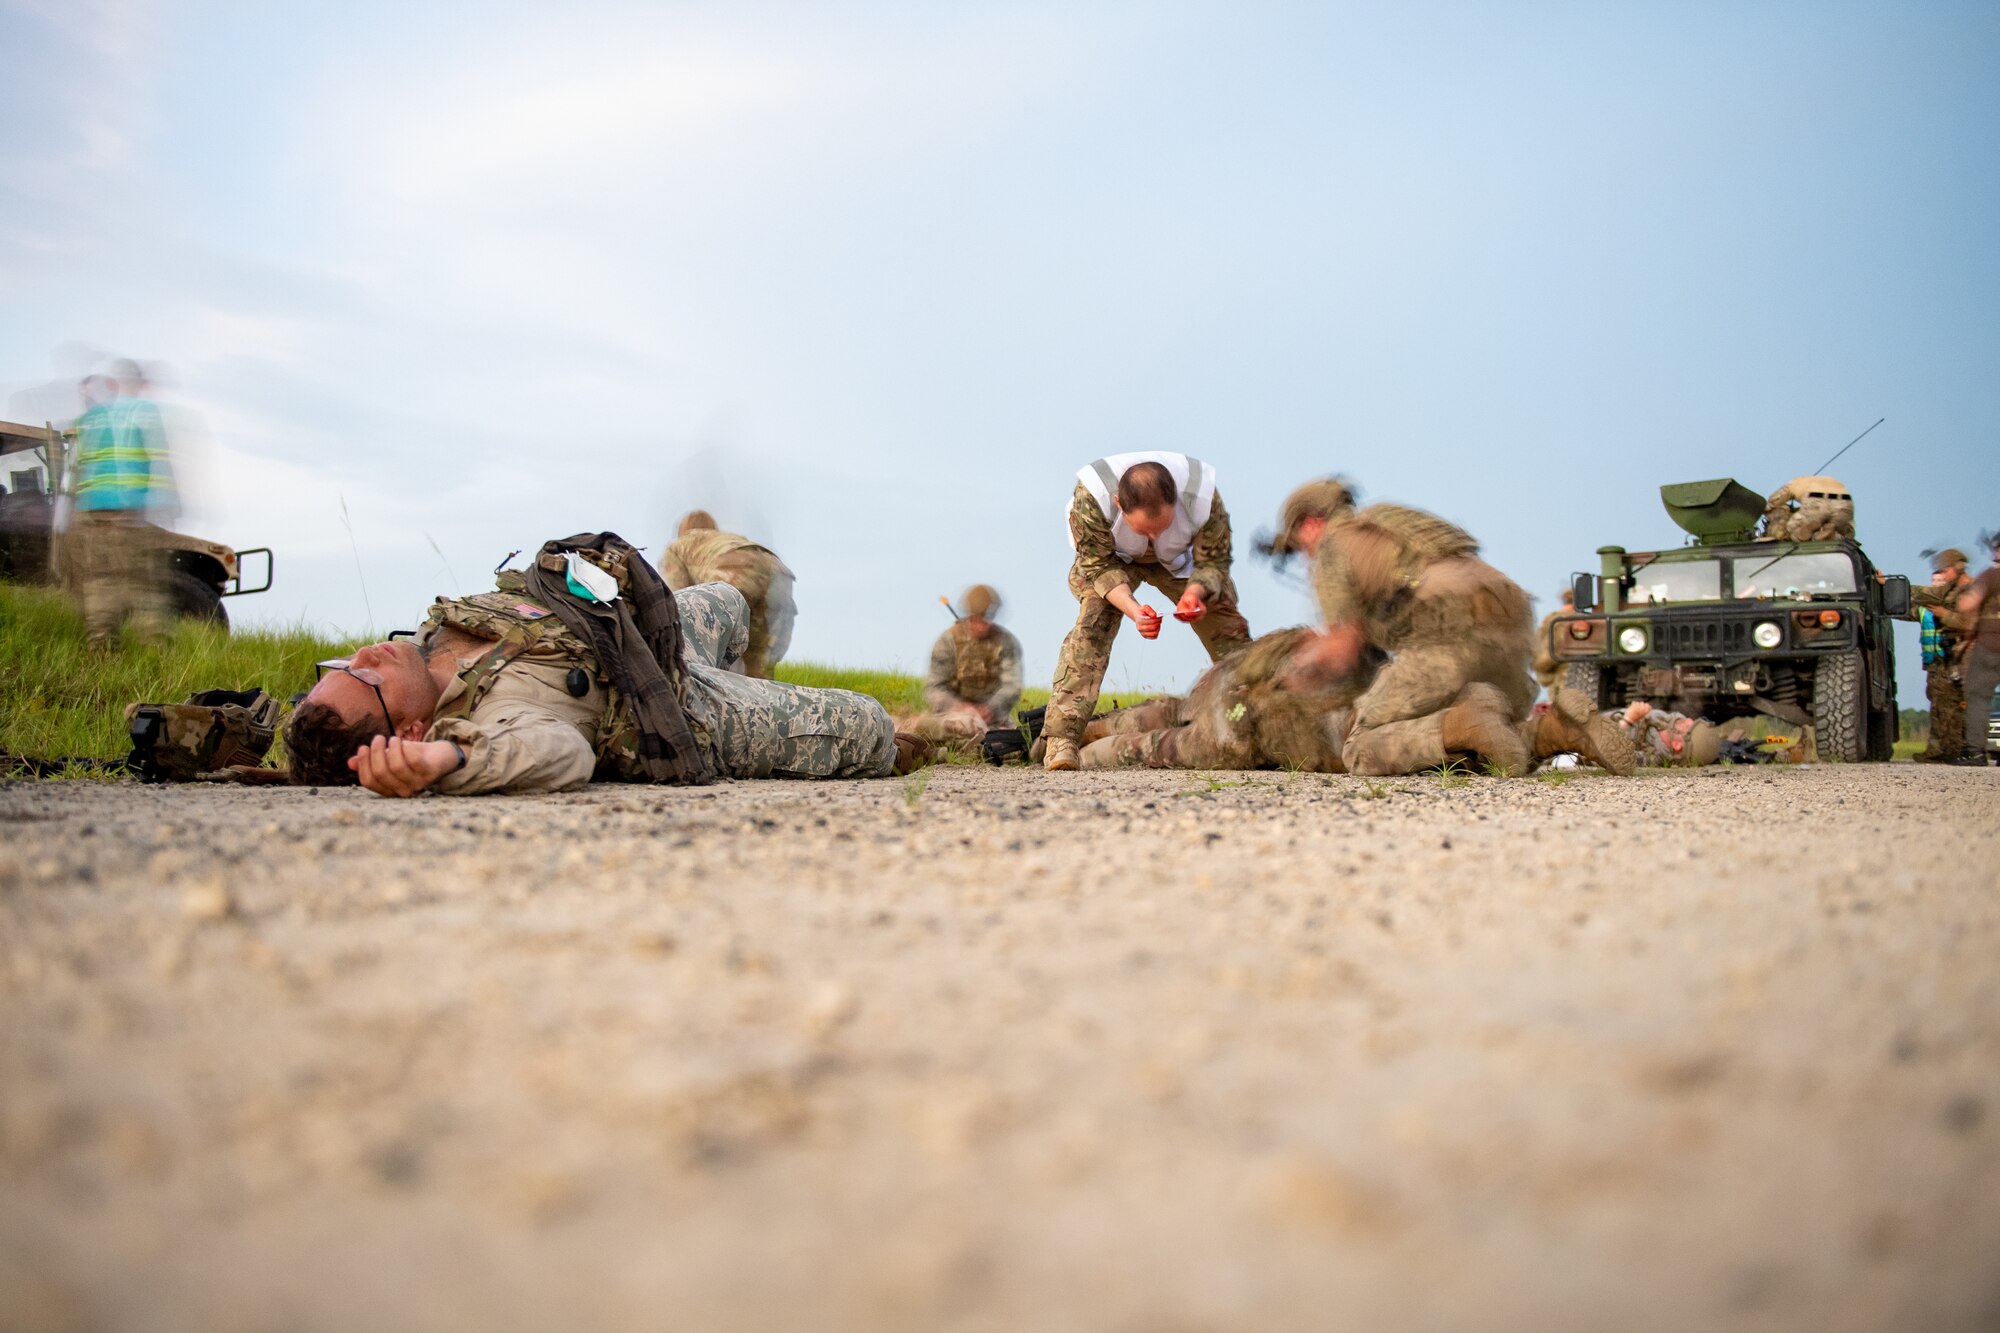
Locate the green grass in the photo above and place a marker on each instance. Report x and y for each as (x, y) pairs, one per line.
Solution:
(905, 694)
(58, 698)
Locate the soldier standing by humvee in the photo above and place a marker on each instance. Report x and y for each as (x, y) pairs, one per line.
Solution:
(1458, 632)
(1944, 646)
(1141, 517)
(1981, 607)
(124, 484)
(974, 679)
(700, 553)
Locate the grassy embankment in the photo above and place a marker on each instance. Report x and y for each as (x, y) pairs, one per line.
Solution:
(59, 699)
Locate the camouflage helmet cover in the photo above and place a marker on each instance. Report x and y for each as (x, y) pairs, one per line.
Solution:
(1326, 497)
(979, 601)
(1949, 558)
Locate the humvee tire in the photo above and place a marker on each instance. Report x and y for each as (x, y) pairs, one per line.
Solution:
(1884, 726)
(1587, 679)
(1840, 708)
(194, 598)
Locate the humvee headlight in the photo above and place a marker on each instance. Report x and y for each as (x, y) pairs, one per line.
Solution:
(1767, 634)
(1632, 639)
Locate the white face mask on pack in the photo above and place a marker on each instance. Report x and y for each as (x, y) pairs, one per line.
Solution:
(588, 581)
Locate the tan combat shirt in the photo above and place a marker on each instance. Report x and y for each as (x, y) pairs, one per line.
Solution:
(1098, 567)
(1368, 560)
(975, 671)
(528, 734)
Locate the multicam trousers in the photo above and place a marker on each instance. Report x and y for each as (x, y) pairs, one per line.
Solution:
(1947, 703)
(764, 729)
(120, 574)
(1473, 631)
(1086, 652)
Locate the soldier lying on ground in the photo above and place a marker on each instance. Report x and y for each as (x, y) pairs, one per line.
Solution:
(974, 679)
(1239, 715)
(1457, 630)
(497, 694)
(1660, 738)
(700, 553)
(1245, 712)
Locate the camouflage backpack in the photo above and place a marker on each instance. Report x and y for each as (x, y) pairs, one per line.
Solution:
(523, 628)
(211, 731)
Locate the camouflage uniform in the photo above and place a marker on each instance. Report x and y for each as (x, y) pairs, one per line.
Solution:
(1097, 569)
(523, 730)
(1237, 716)
(1825, 511)
(968, 669)
(709, 556)
(1943, 683)
(1458, 631)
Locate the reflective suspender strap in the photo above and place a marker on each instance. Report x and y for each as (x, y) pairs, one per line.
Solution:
(1187, 491)
(1104, 475)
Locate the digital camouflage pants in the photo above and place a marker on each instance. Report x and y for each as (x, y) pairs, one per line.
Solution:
(765, 729)
(1086, 652)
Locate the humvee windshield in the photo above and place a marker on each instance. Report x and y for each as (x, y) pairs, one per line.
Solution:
(1681, 581)
(1815, 574)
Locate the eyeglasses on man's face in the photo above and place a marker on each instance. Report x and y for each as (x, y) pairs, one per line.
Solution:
(368, 676)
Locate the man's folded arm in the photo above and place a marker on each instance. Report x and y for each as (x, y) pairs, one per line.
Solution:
(516, 748)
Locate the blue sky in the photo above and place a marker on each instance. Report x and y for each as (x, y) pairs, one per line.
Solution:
(872, 280)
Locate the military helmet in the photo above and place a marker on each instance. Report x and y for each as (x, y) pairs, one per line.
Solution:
(1327, 497)
(696, 520)
(1949, 558)
(979, 601)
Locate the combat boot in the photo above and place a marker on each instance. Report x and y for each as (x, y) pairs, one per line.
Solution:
(1572, 726)
(1478, 725)
(1059, 755)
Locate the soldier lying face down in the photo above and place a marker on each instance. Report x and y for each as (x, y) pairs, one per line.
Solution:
(497, 695)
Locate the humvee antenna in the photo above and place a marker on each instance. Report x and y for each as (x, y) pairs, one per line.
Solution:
(949, 607)
(1845, 447)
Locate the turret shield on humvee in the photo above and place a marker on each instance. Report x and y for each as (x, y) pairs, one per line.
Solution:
(1729, 626)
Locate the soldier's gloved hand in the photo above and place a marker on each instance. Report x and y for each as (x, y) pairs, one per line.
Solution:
(1192, 606)
(1148, 621)
(392, 766)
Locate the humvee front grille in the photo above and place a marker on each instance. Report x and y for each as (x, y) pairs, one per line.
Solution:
(1704, 638)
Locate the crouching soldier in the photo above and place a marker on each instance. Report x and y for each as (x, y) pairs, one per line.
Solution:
(1456, 629)
(701, 553)
(1144, 517)
(975, 676)
(1809, 509)
(539, 687)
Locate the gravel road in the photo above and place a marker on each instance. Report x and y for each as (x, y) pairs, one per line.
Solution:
(1007, 1050)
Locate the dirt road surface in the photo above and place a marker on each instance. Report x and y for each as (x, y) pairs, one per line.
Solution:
(1007, 1050)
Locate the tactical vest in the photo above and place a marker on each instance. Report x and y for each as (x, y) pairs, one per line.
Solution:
(976, 663)
(1173, 548)
(523, 628)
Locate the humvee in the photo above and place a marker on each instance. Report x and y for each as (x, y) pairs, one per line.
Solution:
(1730, 626)
(199, 573)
